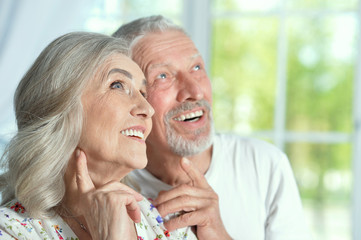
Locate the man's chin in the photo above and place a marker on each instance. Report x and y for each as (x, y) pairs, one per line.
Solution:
(189, 145)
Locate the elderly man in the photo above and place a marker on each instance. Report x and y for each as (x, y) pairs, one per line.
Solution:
(231, 187)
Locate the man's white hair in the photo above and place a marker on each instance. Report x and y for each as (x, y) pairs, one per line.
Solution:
(135, 30)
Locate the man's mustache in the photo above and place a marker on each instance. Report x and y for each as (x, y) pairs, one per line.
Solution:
(187, 106)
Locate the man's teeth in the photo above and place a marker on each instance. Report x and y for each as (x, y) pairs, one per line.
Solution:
(191, 115)
(133, 133)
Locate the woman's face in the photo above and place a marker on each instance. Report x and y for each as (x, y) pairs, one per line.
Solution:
(117, 120)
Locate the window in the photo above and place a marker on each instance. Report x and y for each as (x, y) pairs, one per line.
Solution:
(285, 71)
(108, 15)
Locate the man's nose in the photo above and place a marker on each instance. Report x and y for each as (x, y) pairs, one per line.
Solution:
(189, 88)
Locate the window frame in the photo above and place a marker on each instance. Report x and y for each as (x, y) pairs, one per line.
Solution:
(198, 23)
(356, 140)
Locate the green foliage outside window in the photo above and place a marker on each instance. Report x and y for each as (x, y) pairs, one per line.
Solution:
(243, 73)
(320, 66)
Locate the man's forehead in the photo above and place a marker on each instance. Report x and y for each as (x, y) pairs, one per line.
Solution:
(163, 41)
(164, 49)
(167, 63)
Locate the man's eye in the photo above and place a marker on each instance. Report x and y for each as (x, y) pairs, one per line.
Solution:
(162, 76)
(115, 85)
(197, 67)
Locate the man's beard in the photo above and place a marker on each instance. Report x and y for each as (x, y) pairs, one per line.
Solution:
(203, 137)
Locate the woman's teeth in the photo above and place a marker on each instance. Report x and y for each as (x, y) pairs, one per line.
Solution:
(190, 116)
(133, 133)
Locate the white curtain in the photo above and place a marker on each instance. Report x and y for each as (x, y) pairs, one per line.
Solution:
(26, 27)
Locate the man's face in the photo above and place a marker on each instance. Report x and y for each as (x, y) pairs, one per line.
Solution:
(179, 91)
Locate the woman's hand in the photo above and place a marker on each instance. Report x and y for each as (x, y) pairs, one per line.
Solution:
(109, 209)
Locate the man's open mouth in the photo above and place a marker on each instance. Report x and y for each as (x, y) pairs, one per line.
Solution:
(190, 117)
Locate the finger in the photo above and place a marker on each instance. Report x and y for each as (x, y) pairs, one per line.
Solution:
(198, 218)
(196, 177)
(133, 208)
(131, 191)
(83, 180)
(182, 190)
(118, 186)
(182, 203)
(185, 204)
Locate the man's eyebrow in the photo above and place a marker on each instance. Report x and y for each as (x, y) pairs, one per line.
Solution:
(167, 63)
(121, 71)
(157, 65)
(195, 56)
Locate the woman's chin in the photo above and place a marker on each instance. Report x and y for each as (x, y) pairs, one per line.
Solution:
(143, 163)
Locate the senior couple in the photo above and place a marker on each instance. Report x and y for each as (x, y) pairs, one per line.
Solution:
(93, 111)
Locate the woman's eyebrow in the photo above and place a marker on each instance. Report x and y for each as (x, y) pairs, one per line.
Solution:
(127, 74)
(121, 71)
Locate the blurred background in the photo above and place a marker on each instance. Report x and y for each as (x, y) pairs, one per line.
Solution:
(287, 71)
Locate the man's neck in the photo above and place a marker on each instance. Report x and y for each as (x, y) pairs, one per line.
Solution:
(165, 165)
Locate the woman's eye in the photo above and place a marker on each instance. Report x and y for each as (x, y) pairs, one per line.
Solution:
(116, 85)
(144, 94)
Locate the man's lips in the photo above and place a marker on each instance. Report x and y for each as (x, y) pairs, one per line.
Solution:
(190, 116)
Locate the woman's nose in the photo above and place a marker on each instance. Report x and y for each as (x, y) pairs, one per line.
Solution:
(142, 108)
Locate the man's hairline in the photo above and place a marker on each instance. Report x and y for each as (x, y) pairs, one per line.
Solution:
(141, 36)
(138, 38)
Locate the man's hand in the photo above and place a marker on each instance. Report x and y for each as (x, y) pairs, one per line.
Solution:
(198, 204)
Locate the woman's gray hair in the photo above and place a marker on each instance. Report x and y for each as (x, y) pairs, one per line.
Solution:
(49, 117)
(133, 31)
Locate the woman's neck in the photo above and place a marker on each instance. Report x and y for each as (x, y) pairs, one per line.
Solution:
(70, 207)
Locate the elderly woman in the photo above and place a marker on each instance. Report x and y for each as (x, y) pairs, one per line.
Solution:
(82, 119)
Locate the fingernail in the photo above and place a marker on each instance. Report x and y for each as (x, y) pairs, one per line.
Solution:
(139, 197)
(159, 219)
(77, 153)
